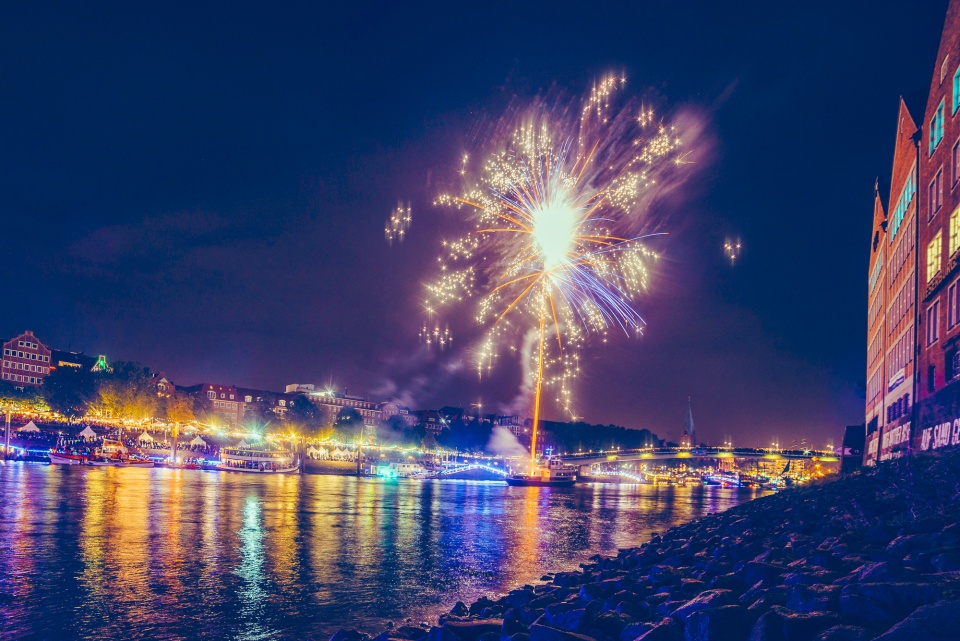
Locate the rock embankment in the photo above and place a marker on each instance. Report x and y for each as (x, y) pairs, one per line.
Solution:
(875, 555)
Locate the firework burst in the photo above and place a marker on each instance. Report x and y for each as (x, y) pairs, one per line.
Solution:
(559, 208)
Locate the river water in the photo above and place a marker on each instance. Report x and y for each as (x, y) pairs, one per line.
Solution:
(107, 553)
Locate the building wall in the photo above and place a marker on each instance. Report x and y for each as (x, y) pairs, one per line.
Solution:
(900, 282)
(26, 361)
(876, 346)
(939, 247)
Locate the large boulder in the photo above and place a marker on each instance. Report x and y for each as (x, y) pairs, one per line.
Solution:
(845, 633)
(704, 600)
(814, 598)
(935, 622)
(781, 624)
(880, 605)
(472, 630)
(724, 623)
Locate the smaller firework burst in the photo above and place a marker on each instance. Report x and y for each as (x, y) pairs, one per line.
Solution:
(731, 249)
(398, 223)
(436, 336)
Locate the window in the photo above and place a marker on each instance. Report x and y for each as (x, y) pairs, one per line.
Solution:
(247, 399)
(231, 397)
(283, 403)
(956, 90)
(953, 305)
(19, 343)
(933, 256)
(211, 394)
(943, 69)
(222, 395)
(955, 363)
(933, 323)
(936, 193)
(955, 231)
(936, 128)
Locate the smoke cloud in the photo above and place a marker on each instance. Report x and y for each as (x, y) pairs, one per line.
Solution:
(503, 442)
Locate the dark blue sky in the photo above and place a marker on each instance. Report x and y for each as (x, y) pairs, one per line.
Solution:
(203, 189)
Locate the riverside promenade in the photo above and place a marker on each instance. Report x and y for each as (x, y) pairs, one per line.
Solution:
(874, 555)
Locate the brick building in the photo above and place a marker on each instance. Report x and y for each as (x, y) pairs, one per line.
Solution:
(26, 361)
(938, 390)
(913, 318)
(891, 312)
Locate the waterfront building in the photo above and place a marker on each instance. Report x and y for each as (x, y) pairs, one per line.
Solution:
(913, 317)
(892, 309)
(938, 391)
(26, 361)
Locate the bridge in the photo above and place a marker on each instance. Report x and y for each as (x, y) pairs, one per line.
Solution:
(466, 467)
(719, 453)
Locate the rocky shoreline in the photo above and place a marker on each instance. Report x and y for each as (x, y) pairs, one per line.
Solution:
(875, 555)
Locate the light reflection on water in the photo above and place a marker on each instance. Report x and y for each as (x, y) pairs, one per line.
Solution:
(144, 554)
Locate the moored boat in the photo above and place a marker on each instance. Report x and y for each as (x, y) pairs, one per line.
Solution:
(554, 474)
(257, 461)
(63, 458)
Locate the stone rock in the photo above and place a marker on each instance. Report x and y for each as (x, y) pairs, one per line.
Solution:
(754, 572)
(633, 630)
(411, 632)
(781, 624)
(472, 630)
(566, 616)
(540, 632)
(460, 610)
(845, 633)
(349, 635)
(879, 605)
(440, 634)
(708, 599)
(724, 623)
(935, 622)
(814, 598)
(667, 630)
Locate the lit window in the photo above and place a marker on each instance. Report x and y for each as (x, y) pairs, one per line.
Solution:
(933, 323)
(933, 256)
(936, 128)
(231, 397)
(247, 399)
(955, 231)
(211, 394)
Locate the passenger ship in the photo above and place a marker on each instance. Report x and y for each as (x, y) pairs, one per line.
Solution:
(234, 459)
(554, 474)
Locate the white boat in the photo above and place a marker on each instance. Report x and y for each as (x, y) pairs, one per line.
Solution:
(255, 461)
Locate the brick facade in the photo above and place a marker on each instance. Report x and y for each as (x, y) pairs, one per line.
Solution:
(26, 361)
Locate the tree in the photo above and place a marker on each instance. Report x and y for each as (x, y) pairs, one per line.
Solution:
(349, 424)
(179, 411)
(70, 391)
(304, 413)
(128, 392)
(261, 412)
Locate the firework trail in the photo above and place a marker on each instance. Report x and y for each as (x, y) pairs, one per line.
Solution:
(560, 208)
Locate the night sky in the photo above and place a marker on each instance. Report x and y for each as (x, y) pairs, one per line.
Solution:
(203, 189)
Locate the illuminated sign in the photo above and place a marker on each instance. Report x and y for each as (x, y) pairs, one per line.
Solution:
(942, 435)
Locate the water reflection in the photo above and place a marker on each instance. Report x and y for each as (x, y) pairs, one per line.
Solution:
(142, 554)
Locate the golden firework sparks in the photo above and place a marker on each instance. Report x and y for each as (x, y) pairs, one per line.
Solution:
(559, 208)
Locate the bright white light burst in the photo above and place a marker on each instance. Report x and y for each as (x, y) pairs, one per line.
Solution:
(560, 208)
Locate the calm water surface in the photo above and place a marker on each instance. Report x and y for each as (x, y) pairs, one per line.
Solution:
(108, 553)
